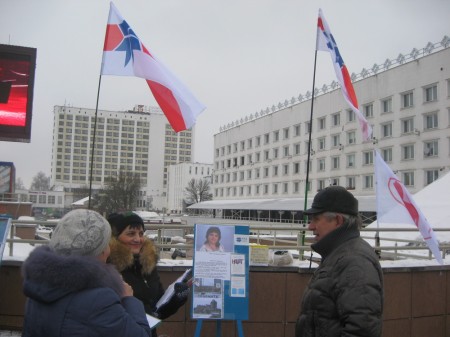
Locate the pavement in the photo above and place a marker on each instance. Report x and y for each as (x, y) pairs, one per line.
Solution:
(5, 333)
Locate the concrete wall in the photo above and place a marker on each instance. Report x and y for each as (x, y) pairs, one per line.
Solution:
(417, 303)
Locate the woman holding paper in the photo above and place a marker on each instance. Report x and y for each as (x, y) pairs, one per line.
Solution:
(135, 258)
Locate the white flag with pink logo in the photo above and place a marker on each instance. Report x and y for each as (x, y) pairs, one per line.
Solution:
(395, 205)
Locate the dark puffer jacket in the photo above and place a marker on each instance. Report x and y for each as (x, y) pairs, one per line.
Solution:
(140, 272)
(77, 296)
(345, 294)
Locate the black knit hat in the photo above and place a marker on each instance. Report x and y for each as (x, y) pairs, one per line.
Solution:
(334, 199)
(120, 221)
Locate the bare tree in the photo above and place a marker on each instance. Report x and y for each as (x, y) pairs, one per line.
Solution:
(40, 182)
(19, 184)
(197, 191)
(121, 193)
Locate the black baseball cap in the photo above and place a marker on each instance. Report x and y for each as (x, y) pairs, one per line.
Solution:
(334, 199)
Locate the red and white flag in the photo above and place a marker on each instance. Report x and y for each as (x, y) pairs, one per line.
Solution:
(125, 55)
(325, 42)
(395, 205)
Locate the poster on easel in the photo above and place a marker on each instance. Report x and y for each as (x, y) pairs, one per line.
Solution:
(221, 272)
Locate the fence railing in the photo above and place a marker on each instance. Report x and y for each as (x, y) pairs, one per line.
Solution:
(277, 236)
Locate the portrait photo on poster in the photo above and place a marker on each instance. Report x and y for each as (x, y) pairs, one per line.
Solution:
(214, 238)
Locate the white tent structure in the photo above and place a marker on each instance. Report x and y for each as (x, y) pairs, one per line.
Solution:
(434, 202)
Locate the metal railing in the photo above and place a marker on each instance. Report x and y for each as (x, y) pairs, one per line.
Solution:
(276, 236)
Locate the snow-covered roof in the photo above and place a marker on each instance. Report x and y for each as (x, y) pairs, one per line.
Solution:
(366, 204)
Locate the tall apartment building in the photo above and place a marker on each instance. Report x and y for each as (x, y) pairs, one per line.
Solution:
(138, 140)
(407, 102)
(179, 177)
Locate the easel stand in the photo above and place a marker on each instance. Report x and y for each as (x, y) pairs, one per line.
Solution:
(198, 328)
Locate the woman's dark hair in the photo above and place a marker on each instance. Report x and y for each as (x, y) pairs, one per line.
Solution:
(120, 221)
(213, 230)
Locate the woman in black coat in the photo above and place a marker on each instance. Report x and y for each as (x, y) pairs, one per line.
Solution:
(135, 257)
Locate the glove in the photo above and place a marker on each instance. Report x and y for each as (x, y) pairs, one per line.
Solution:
(177, 301)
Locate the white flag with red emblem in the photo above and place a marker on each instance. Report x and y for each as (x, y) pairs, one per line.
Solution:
(395, 205)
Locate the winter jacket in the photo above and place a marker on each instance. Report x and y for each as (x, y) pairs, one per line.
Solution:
(77, 296)
(345, 294)
(140, 272)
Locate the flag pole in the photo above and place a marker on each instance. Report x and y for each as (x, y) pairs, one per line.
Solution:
(93, 142)
(309, 152)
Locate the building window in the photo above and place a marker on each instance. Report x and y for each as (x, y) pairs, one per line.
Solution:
(285, 188)
(276, 136)
(368, 158)
(386, 130)
(322, 123)
(351, 160)
(275, 153)
(266, 138)
(431, 121)
(285, 169)
(275, 171)
(387, 155)
(335, 163)
(408, 152)
(408, 178)
(321, 164)
(297, 130)
(296, 168)
(258, 141)
(407, 100)
(321, 143)
(350, 115)
(430, 93)
(336, 119)
(249, 143)
(407, 125)
(286, 133)
(431, 149)
(321, 184)
(266, 155)
(386, 105)
(368, 110)
(275, 188)
(296, 187)
(297, 149)
(350, 184)
(368, 181)
(431, 175)
(286, 151)
(307, 127)
(351, 137)
(335, 140)
(266, 172)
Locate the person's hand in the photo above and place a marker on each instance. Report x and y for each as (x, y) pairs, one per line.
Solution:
(127, 290)
(178, 300)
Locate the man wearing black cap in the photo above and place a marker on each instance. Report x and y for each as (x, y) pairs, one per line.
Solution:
(345, 294)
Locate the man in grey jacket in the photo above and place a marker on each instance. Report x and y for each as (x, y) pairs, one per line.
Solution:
(345, 294)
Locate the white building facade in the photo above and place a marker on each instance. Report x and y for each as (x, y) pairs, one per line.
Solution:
(179, 177)
(264, 155)
(139, 140)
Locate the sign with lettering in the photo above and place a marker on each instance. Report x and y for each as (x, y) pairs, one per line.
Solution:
(221, 277)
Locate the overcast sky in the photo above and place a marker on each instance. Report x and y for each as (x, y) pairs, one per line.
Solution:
(236, 56)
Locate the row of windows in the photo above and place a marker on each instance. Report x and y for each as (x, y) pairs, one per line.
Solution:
(295, 187)
(430, 149)
(406, 101)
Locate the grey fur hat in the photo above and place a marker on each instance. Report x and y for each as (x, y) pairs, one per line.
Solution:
(81, 232)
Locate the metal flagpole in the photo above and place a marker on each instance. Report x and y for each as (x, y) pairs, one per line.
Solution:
(303, 233)
(93, 142)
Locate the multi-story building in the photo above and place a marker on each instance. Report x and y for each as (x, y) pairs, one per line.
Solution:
(179, 177)
(138, 140)
(407, 102)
